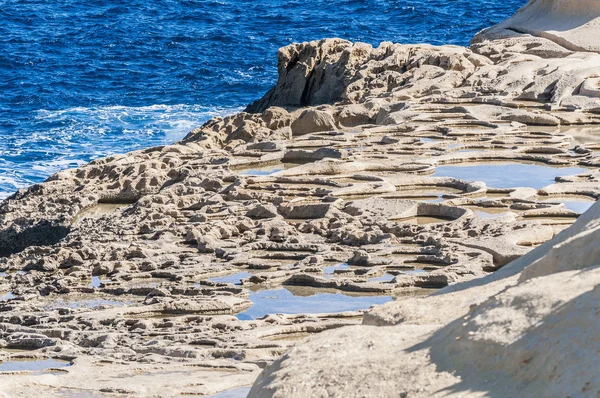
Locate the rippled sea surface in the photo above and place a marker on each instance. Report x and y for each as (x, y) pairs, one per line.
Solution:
(80, 80)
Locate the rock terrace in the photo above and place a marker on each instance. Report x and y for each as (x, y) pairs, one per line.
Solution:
(346, 179)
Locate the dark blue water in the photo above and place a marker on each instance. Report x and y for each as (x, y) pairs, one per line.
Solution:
(82, 79)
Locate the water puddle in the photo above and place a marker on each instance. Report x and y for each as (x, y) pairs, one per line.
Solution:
(491, 215)
(426, 140)
(261, 171)
(409, 271)
(7, 296)
(330, 271)
(580, 134)
(241, 392)
(414, 271)
(264, 170)
(439, 199)
(6, 274)
(38, 366)
(383, 278)
(422, 220)
(576, 204)
(425, 197)
(236, 278)
(489, 212)
(508, 175)
(306, 301)
(97, 282)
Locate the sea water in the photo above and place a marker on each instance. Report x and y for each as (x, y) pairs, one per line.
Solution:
(81, 80)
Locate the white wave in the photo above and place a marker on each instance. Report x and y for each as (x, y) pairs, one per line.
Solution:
(173, 121)
(9, 184)
(55, 165)
(10, 181)
(67, 138)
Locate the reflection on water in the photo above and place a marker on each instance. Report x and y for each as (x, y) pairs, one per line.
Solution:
(7, 296)
(262, 171)
(580, 134)
(265, 170)
(305, 301)
(489, 215)
(31, 365)
(415, 271)
(576, 204)
(508, 175)
(331, 270)
(383, 278)
(489, 212)
(241, 392)
(97, 282)
(236, 278)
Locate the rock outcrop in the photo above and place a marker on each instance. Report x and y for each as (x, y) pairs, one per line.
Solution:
(572, 24)
(528, 330)
(334, 70)
(365, 174)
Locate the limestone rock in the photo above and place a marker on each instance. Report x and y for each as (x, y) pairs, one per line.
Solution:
(334, 180)
(262, 211)
(500, 335)
(573, 24)
(313, 121)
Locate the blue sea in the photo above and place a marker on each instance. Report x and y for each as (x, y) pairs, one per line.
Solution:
(84, 79)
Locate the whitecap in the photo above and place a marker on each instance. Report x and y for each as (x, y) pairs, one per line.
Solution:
(68, 138)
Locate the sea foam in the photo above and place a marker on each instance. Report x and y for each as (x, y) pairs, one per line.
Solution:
(72, 137)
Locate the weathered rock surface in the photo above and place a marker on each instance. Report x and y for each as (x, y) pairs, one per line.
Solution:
(572, 24)
(528, 330)
(345, 178)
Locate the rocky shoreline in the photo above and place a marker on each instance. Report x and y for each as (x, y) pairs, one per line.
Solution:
(365, 176)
